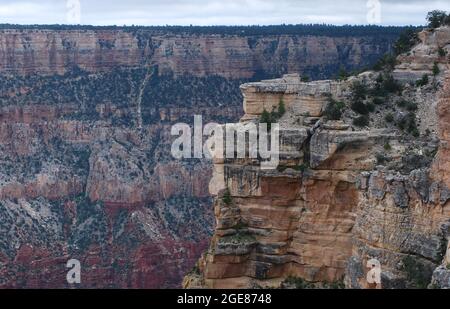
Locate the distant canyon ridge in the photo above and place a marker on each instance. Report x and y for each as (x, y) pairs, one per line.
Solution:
(317, 51)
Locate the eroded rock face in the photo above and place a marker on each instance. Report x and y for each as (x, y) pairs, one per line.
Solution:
(334, 203)
(231, 56)
(422, 57)
(306, 98)
(89, 191)
(80, 178)
(86, 173)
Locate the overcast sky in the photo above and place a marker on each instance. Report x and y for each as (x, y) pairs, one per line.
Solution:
(218, 12)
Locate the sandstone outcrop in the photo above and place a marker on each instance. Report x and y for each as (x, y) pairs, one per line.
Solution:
(342, 196)
(421, 59)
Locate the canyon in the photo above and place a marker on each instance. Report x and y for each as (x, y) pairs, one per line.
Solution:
(85, 165)
(209, 51)
(363, 175)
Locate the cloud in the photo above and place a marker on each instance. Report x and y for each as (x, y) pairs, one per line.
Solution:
(218, 12)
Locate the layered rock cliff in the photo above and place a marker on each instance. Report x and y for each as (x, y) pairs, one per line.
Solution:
(26, 51)
(85, 164)
(363, 175)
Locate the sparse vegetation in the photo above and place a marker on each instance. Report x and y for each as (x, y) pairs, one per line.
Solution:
(240, 226)
(359, 95)
(436, 69)
(274, 116)
(226, 198)
(387, 63)
(359, 91)
(408, 105)
(416, 273)
(378, 101)
(390, 85)
(381, 158)
(387, 146)
(298, 283)
(265, 117)
(408, 123)
(389, 118)
(302, 167)
(361, 121)
(385, 85)
(423, 81)
(343, 74)
(407, 39)
(281, 109)
(241, 237)
(442, 52)
(362, 108)
(302, 284)
(437, 18)
(402, 103)
(334, 109)
(305, 79)
(411, 106)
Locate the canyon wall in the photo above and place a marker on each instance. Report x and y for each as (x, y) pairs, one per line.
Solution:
(85, 165)
(26, 51)
(344, 192)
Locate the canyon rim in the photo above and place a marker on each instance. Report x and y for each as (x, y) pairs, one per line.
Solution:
(363, 176)
(92, 195)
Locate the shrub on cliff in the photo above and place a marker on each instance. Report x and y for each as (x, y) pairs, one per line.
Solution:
(226, 198)
(385, 85)
(442, 52)
(361, 121)
(378, 101)
(423, 81)
(363, 108)
(411, 106)
(408, 123)
(389, 118)
(343, 74)
(274, 116)
(305, 79)
(359, 91)
(281, 109)
(301, 284)
(240, 238)
(437, 18)
(418, 274)
(297, 283)
(265, 117)
(406, 41)
(408, 105)
(334, 109)
(391, 85)
(436, 69)
(387, 62)
(387, 146)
